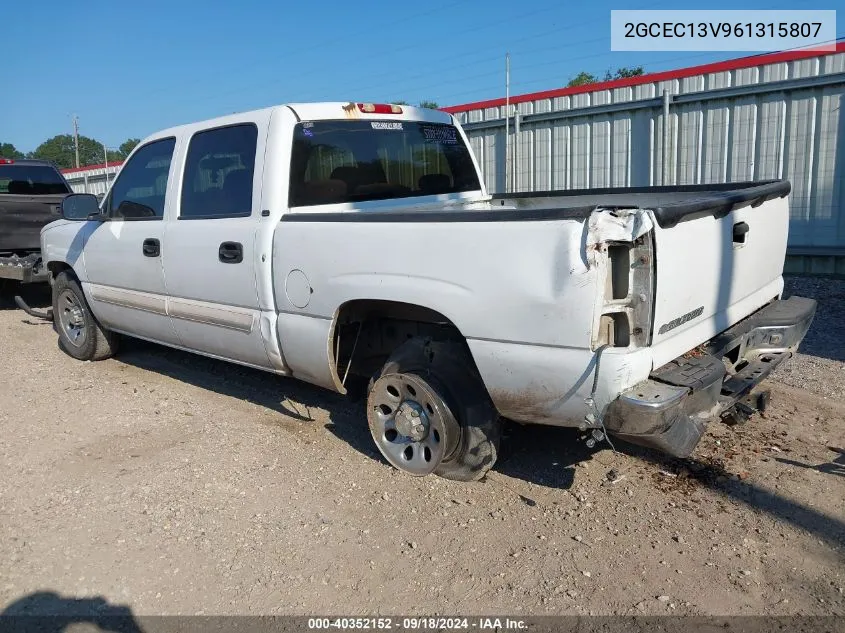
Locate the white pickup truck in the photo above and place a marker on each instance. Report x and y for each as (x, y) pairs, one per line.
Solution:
(336, 240)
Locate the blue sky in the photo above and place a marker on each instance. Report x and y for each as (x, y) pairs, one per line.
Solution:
(130, 68)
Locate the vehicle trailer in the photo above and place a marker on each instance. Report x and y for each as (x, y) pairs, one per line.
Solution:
(337, 240)
(26, 269)
(31, 193)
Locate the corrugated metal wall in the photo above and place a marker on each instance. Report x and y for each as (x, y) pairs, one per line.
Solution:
(780, 120)
(92, 180)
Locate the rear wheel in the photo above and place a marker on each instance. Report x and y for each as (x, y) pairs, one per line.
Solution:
(428, 412)
(80, 334)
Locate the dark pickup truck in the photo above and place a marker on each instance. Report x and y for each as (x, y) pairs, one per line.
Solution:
(31, 193)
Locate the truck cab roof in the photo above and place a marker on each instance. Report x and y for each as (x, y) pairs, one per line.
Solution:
(320, 111)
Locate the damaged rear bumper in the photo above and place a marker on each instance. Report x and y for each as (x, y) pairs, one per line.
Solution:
(670, 410)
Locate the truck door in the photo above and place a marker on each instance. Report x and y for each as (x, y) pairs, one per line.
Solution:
(209, 255)
(122, 255)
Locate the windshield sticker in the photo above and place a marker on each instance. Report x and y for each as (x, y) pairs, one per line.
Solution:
(308, 124)
(307, 132)
(440, 134)
(386, 125)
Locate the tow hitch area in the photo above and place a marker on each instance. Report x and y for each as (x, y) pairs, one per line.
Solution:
(740, 412)
(670, 410)
(47, 314)
(26, 269)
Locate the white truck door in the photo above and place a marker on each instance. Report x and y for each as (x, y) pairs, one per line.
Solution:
(209, 255)
(122, 255)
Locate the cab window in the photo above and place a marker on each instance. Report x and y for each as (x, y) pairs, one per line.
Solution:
(138, 193)
(219, 171)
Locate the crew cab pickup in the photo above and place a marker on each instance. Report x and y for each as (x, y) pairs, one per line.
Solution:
(31, 192)
(341, 242)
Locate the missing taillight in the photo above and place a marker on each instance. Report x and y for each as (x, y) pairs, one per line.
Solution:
(619, 271)
(626, 314)
(615, 330)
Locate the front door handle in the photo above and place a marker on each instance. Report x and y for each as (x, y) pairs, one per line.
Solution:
(151, 247)
(231, 252)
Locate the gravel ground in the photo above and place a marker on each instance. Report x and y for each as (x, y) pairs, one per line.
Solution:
(175, 484)
(820, 366)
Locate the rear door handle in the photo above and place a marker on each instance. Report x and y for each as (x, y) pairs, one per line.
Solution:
(151, 247)
(231, 252)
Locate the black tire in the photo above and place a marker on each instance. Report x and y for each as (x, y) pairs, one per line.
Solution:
(94, 342)
(449, 372)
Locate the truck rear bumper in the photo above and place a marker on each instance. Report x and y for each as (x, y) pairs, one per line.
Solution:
(669, 410)
(28, 269)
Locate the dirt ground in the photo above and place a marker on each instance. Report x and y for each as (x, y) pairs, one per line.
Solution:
(175, 484)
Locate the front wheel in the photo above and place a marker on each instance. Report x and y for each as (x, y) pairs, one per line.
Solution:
(80, 334)
(429, 412)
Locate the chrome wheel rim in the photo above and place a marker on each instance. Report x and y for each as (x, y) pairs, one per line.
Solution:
(71, 318)
(409, 423)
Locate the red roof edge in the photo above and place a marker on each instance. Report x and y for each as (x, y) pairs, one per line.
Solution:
(714, 67)
(114, 163)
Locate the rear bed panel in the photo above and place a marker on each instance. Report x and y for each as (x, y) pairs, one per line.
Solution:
(21, 219)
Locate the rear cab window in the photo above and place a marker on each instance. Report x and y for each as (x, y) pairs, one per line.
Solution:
(354, 161)
(31, 180)
(219, 171)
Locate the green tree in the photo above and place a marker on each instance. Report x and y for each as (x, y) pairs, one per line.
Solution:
(422, 104)
(624, 73)
(60, 150)
(7, 150)
(126, 147)
(582, 79)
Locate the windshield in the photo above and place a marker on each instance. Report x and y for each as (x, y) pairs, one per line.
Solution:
(353, 161)
(31, 180)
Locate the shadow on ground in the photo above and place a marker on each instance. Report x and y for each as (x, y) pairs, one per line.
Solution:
(836, 466)
(48, 612)
(539, 455)
(711, 474)
(36, 295)
(826, 336)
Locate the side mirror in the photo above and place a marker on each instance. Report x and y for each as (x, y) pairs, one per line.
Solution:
(80, 206)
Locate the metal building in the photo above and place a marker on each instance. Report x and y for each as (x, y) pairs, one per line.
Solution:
(92, 178)
(775, 115)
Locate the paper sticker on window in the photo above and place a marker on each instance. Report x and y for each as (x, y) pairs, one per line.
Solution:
(386, 125)
(440, 134)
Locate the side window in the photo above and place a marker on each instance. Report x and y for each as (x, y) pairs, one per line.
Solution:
(138, 192)
(218, 173)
